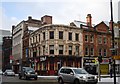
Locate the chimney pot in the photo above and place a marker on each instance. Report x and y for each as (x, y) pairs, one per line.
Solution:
(29, 17)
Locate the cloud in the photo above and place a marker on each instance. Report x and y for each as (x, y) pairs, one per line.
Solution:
(63, 11)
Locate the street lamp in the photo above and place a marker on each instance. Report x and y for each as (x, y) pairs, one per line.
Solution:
(113, 41)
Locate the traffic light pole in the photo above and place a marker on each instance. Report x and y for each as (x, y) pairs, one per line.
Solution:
(113, 41)
(99, 71)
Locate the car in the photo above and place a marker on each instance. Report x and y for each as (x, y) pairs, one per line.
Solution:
(27, 73)
(9, 72)
(1, 72)
(75, 76)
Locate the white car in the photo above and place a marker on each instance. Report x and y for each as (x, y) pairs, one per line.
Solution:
(9, 72)
(75, 76)
(1, 72)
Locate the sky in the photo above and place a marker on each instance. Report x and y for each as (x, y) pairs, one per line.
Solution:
(13, 12)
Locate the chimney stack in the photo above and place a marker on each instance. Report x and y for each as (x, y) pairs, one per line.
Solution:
(29, 17)
(89, 20)
(46, 19)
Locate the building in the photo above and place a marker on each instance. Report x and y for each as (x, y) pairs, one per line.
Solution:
(7, 53)
(77, 45)
(20, 41)
(2, 34)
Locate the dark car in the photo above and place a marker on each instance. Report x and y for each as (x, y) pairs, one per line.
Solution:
(27, 73)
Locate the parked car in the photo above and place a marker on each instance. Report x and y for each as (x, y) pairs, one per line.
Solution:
(75, 76)
(1, 72)
(27, 72)
(9, 72)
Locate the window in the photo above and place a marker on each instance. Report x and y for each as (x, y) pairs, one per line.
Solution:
(99, 40)
(43, 50)
(60, 49)
(43, 35)
(86, 38)
(105, 52)
(33, 39)
(70, 36)
(51, 49)
(60, 34)
(77, 37)
(39, 51)
(91, 51)
(44, 65)
(105, 40)
(100, 52)
(36, 38)
(77, 50)
(51, 33)
(92, 38)
(39, 37)
(86, 51)
(70, 50)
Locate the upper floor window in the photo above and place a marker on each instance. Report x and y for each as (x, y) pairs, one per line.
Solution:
(60, 49)
(100, 52)
(92, 38)
(36, 38)
(99, 40)
(33, 39)
(43, 35)
(51, 48)
(86, 38)
(105, 52)
(43, 50)
(77, 37)
(105, 40)
(70, 36)
(70, 50)
(51, 33)
(86, 51)
(60, 34)
(39, 37)
(92, 51)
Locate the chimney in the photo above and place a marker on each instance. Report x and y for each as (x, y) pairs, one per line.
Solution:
(29, 18)
(13, 27)
(46, 19)
(89, 20)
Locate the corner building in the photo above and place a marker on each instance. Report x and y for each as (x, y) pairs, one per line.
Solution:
(53, 46)
(78, 44)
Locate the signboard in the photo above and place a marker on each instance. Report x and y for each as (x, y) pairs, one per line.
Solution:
(104, 68)
(116, 57)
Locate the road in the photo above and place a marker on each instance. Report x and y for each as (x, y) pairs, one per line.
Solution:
(41, 80)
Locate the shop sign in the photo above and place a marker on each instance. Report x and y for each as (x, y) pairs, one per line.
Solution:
(116, 57)
(42, 58)
(104, 68)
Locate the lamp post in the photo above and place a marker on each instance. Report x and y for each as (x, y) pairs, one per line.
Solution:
(113, 41)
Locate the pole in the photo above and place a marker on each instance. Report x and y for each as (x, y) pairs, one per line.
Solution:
(99, 71)
(113, 41)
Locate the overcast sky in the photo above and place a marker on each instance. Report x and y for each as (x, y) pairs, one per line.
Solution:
(63, 11)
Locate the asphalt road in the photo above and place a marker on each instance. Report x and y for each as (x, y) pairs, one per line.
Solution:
(16, 80)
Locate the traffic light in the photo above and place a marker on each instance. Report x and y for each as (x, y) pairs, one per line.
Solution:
(100, 59)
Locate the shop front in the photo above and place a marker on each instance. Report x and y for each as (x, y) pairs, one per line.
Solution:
(49, 65)
(90, 65)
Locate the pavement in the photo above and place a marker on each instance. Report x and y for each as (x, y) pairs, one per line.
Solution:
(104, 78)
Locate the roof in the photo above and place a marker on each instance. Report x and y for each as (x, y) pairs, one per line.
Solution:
(78, 23)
